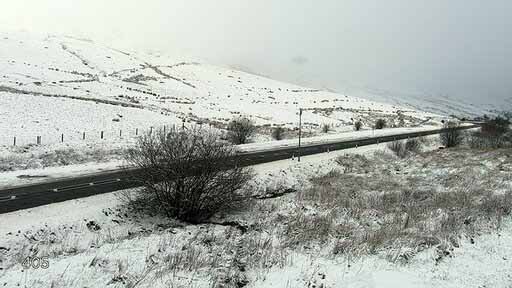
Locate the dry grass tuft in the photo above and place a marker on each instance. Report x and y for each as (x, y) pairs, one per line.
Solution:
(380, 207)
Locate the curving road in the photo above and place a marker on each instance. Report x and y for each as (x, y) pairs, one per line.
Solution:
(29, 196)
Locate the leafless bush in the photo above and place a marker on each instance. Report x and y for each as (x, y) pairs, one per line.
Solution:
(452, 136)
(492, 135)
(479, 140)
(188, 175)
(498, 126)
(277, 133)
(240, 130)
(380, 124)
(404, 148)
(413, 145)
(358, 125)
(398, 147)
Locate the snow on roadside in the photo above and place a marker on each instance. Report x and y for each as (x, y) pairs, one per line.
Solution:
(484, 263)
(13, 178)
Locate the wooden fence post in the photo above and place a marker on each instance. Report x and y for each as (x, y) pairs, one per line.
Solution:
(14, 140)
(101, 134)
(83, 136)
(136, 131)
(120, 133)
(62, 138)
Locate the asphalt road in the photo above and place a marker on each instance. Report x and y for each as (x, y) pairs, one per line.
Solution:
(29, 196)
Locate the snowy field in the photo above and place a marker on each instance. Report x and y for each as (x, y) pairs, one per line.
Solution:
(36, 164)
(51, 86)
(359, 218)
(287, 241)
(68, 102)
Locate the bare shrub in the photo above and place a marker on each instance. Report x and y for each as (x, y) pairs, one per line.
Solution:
(380, 124)
(188, 175)
(326, 128)
(240, 130)
(358, 125)
(398, 147)
(451, 136)
(479, 140)
(278, 133)
(413, 145)
(497, 126)
(492, 135)
(404, 148)
(353, 163)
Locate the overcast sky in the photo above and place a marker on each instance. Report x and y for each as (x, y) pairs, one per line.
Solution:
(460, 48)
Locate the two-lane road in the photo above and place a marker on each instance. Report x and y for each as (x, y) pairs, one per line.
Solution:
(23, 197)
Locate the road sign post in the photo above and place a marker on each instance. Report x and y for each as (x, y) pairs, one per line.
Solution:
(300, 132)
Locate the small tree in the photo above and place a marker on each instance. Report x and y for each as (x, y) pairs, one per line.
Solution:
(452, 135)
(380, 124)
(188, 175)
(240, 130)
(358, 125)
(493, 134)
(496, 127)
(278, 133)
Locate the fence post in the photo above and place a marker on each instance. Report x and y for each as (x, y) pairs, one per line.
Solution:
(62, 138)
(120, 133)
(101, 134)
(14, 140)
(151, 130)
(136, 131)
(83, 136)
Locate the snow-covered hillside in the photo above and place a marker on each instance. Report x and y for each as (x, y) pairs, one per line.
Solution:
(61, 85)
(438, 104)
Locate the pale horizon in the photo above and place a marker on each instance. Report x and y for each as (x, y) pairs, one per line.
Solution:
(458, 48)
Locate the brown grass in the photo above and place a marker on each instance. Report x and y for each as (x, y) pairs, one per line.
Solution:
(376, 206)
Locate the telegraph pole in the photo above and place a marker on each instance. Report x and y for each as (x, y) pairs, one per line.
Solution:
(300, 129)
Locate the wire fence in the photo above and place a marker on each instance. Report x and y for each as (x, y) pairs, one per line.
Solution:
(85, 136)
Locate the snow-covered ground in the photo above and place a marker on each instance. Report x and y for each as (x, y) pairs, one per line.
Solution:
(51, 86)
(106, 246)
(85, 102)
(35, 172)
(65, 89)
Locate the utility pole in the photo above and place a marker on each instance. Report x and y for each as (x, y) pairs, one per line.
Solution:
(300, 129)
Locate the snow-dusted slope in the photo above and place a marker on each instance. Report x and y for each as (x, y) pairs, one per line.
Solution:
(45, 80)
(438, 104)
